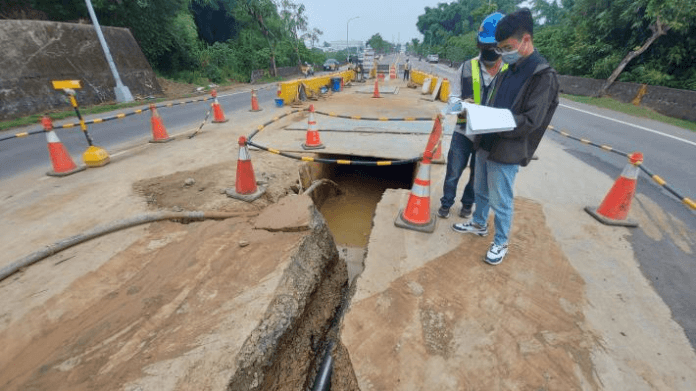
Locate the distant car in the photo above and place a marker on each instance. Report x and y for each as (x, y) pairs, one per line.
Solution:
(331, 65)
(433, 58)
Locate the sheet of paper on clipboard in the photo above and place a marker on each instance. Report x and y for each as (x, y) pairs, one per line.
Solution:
(484, 119)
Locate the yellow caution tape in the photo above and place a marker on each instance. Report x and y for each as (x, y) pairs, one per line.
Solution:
(688, 202)
(658, 180)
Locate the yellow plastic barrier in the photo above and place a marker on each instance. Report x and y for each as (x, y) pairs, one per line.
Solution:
(419, 77)
(288, 89)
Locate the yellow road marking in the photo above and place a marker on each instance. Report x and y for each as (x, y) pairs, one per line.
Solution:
(98, 120)
(23, 134)
(120, 115)
(277, 152)
(689, 202)
(585, 141)
(607, 148)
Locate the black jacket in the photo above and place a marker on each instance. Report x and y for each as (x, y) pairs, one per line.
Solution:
(533, 109)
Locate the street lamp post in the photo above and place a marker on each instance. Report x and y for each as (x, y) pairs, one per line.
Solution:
(347, 48)
(122, 92)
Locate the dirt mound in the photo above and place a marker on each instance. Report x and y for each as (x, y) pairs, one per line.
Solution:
(203, 189)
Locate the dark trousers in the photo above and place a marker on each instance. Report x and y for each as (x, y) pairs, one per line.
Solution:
(406, 74)
(460, 153)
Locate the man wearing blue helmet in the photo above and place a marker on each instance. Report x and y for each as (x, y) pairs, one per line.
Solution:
(476, 77)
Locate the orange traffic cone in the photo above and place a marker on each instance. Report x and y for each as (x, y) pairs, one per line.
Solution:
(614, 209)
(435, 140)
(60, 158)
(218, 115)
(245, 187)
(254, 102)
(392, 72)
(416, 216)
(312, 141)
(159, 132)
(376, 93)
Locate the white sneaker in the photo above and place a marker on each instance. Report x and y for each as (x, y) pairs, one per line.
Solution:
(495, 254)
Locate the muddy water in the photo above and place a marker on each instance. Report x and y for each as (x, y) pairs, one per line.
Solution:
(349, 215)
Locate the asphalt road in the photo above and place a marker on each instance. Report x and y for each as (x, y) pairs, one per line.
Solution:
(21, 154)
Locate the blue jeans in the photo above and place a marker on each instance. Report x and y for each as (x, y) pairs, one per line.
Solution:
(494, 188)
(460, 150)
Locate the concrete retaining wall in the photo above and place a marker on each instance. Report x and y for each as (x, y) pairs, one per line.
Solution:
(668, 101)
(36, 52)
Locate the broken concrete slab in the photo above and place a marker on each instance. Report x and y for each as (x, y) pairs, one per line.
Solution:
(251, 316)
(289, 214)
(561, 312)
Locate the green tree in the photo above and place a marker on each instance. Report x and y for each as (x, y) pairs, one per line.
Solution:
(379, 44)
(661, 16)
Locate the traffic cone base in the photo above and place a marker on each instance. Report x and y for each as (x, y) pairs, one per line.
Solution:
(607, 221)
(96, 157)
(232, 193)
(428, 227)
(310, 147)
(66, 173)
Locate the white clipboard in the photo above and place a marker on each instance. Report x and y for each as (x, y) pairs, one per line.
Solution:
(484, 119)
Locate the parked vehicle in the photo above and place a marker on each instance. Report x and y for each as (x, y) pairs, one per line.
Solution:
(433, 58)
(331, 65)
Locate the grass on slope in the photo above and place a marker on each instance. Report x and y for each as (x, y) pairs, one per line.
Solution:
(627, 108)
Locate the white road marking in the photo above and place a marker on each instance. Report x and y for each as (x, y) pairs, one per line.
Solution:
(630, 124)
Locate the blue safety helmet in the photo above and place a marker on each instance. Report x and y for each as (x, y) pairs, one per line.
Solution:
(486, 33)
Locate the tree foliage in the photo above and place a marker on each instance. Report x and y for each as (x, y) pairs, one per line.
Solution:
(189, 39)
(643, 41)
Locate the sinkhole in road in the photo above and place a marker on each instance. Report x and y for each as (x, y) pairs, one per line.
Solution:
(349, 214)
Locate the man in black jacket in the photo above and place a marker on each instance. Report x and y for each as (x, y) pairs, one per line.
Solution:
(529, 89)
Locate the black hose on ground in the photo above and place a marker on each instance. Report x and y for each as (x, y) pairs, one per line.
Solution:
(323, 380)
(96, 232)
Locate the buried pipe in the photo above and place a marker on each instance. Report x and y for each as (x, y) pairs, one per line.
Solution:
(118, 225)
(323, 380)
(320, 182)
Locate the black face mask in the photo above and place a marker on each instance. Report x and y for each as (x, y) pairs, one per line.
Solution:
(489, 55)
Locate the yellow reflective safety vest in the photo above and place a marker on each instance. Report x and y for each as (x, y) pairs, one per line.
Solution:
(476, 78)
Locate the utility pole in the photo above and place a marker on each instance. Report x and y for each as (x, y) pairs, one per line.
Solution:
(122, 92)
(347, 47)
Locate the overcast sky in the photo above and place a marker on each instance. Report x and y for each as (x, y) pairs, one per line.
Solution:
(390, 18)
